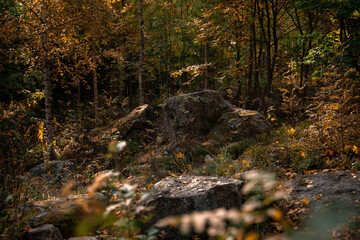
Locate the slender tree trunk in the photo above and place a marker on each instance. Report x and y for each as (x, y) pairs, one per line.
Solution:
(258, 71)
(261, 57)
(206, 61)
(141, 60)
(237, 64)
(78, 94)
(257, 90)
(302, 65)
(269, 71)
(251, 71)
(183, 50)
(271, 43)
(47, 84)
(238, 95)
(96, 94)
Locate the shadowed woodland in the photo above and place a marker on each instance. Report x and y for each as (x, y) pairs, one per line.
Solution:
(107, 104)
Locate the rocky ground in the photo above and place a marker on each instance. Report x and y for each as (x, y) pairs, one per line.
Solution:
(170, 136)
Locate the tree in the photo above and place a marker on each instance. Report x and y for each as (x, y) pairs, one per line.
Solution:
(141, 59)
(46, 77)
(344, 27)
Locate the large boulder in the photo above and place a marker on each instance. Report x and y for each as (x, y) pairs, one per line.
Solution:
(194, 113)
(204, 114)
(339, 188)
(186, 194)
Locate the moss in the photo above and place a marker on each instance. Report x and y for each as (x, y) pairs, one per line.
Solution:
(238, 148)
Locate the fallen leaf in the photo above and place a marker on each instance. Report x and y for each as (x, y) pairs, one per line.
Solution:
(317, 196)
(305, 201)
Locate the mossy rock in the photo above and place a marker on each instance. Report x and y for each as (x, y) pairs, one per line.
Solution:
(241, 124)
(193, 114)
(65, 213)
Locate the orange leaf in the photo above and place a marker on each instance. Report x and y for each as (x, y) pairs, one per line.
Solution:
(252, 236)
(179, 155)
(305, 201)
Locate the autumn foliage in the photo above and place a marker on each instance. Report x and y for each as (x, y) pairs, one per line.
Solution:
(69, 68)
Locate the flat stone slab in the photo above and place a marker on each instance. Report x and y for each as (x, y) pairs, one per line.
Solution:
(52, 170)
(45, 232)
(176, 196)
(341, 188)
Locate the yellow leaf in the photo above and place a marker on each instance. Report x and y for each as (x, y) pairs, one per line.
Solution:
(334, 106)
(179, 155)
(173, 175)
(291, 131)
(356, 149)
(206, 144)
(305, 201)
(347, 148)
(40, 134)
(149, 186)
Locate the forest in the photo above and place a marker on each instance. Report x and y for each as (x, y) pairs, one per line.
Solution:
(105, 105)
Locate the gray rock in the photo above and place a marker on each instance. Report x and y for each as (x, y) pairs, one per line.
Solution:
(65, 212)
(205, 114)
(52, 171)
(176, 196)
(240, 124)
(45, 232)
(128, 127)
(339, 188)
(194, 113)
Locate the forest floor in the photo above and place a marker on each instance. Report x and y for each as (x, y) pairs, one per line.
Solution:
(290, 149)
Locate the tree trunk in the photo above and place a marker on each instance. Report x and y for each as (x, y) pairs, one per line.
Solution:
(257, 90)
(206, 61)
(47, 84)
(141, 60)
(269, 69)
(78, 93)
(96, 94)
(270, 37)
(251, 71)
